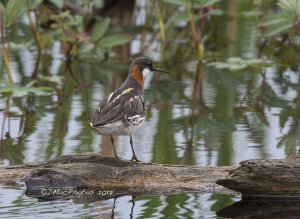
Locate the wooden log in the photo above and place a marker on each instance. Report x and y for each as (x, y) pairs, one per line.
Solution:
(93, 177)
(266, 178)
(85, 176)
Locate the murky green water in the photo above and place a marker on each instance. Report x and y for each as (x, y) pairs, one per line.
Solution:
(199, 115)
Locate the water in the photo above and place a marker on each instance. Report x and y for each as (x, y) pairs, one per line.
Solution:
(199, 115)
(41, 128)
(20, 206)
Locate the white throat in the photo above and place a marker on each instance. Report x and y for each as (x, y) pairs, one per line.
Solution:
(146, 71)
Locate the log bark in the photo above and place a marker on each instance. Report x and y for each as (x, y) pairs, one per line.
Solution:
(94, 177)
(266, 178)
(90, 177)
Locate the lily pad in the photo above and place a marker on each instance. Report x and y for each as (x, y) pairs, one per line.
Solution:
(237, 63)
(17, 91)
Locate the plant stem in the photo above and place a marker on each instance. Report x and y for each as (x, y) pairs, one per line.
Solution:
(6, 54)
(195, 33)
(37, 41)
(7, 65)
(33, 28)
(161, 23)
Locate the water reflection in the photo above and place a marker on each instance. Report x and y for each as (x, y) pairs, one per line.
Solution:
(227, 113)
(262, 209)
(198, 116)
(16, 204)
(229, 120)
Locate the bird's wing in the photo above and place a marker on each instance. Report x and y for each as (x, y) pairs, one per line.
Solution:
(109, 111)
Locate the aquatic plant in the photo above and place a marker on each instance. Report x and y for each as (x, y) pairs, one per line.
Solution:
(9, 14)
(36, 25)
(285, 21)
(237, 63)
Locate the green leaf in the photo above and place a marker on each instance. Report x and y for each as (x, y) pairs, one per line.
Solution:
(234, 60)
(297, 40)
(237, 66)
(58, 3)
(86, 47)
(22, 91)
(214, 12)
(184, 16)
(278, 29)
(30, 84)
(237, 63)
(100, 53)
(287, 5)
(207, 3)
(176, 2)
(53, 78)
(14, 10)
(114, 40)
(184, 3)
(98, 3)
(274, 20)
(32, 4)
(100, 29)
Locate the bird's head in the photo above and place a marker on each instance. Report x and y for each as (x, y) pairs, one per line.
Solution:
(140, 68)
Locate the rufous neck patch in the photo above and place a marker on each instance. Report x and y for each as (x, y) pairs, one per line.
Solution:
(137, 75)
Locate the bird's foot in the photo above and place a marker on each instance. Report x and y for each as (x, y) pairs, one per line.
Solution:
(134, 159)
(118, 157)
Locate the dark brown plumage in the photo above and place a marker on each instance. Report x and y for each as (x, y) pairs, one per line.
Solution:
(123, 111)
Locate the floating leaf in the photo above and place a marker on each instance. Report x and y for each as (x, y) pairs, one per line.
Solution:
(16, 91)
(114, 40)
(237, 63)
(100, 29)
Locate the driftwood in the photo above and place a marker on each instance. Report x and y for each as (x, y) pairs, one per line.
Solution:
(90, 177)
(93, 177)
(266, 178)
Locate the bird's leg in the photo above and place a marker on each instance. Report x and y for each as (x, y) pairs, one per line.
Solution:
(134, 158)
(113, 144)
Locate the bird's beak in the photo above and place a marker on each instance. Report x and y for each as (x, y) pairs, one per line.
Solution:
(159, 70)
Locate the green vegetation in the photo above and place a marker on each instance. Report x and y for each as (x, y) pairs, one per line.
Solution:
(285, 21)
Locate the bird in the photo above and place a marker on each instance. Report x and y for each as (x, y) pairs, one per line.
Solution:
(123, 111)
